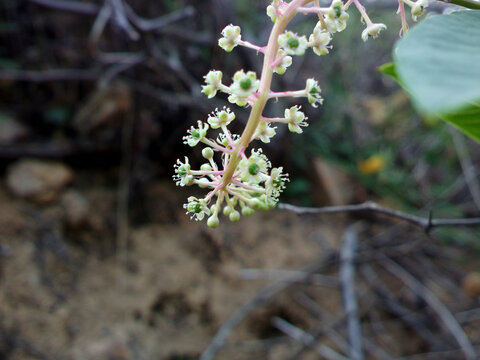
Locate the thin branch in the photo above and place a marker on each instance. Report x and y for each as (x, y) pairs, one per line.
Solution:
(435, 304)
(156, 23)
(262, 297)
(370, 206)
(50, 75)
(72, 6)
(289, 276)
(347, 281)
(306, 339)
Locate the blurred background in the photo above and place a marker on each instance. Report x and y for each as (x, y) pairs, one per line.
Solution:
(98, 259)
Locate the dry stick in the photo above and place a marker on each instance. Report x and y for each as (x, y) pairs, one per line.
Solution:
(263, 296)
(306, 339)
(392, 305)
(466, 163)
(50, 75)
(324, 320)
(370, 206)
(347, 284)
(154, 24)
(72, 6)
(289, 276)
(100, 22)
(121, 19)
(429, 297)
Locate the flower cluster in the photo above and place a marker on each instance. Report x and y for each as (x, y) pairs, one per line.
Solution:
(242, 181)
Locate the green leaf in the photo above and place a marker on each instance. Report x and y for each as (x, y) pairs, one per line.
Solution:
(388, 69)
(467, 120)
(438, 63)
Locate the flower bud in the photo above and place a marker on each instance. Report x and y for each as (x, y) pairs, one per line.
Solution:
(234, 216)
(207, 153)
(213, 221)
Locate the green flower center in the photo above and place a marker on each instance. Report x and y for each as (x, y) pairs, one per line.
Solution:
(246, 84)
(313, 91)
(338, 11)
(253, 169)
(197, 208)
(195, 134)
(182, 171)
(293, 43)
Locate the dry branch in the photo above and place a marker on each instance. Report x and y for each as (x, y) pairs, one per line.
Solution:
(370, 206)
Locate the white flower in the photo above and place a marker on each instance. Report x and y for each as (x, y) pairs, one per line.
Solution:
(418, 8)
(182, 175)
(372, 30)
(213, 80)
(244, 84)
(272, 13)
(275, 9)
(221, 118)
(196, 134)
(223, 140)
(276, 182)
(264, 132)
(336, 17)
(231, 37)
(198, 208)
(292, 43)
(284, 64)
(319, 40)
(313, 93)
(295, 118)
(252, 168)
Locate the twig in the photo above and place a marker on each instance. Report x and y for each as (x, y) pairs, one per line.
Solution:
(72, 6)
(50, 75)
(436, 305)
(424, 223)
(467, 166)
(306, 339)
(323, 316)
(154, 24)
(392, 305)
(100, 22)
(347, 281)
(121, 19)
(289, 276)
(263, 296)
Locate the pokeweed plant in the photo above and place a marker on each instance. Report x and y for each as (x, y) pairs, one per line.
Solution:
(245, 180)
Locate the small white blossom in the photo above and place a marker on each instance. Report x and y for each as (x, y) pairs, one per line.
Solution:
(336, 17)
(296, 119)
(292, 43)
(244, 85)
(182, 175)
(372, 30)
(313, 93)
(198, 208)
(276, 182)
(264, 132)
(231, 37)
(213, 80)
(284, 64)
(252, 168)
(223, 140)
(196, 134)
(319, 40)
(221, 118)
(418, 8)
(272, 13)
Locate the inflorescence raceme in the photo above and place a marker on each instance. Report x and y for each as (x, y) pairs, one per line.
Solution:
(241, 181)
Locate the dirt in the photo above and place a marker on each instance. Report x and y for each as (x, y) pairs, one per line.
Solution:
(70, 294)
